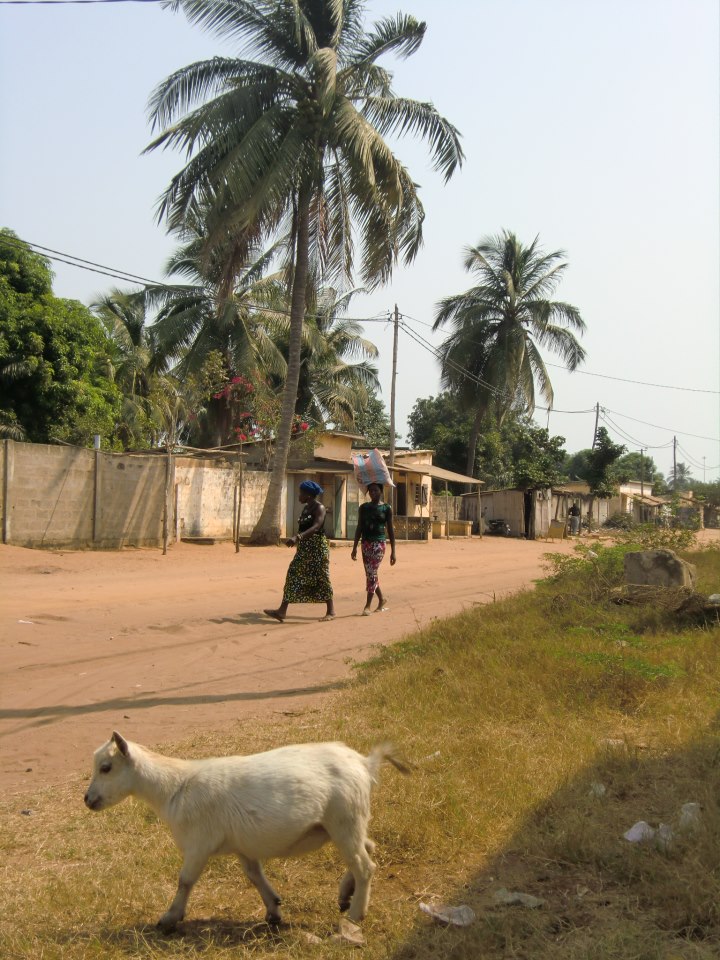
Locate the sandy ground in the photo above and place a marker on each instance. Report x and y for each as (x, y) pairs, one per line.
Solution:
(160, 646)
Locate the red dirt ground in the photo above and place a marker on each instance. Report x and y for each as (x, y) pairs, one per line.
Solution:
(161, 647)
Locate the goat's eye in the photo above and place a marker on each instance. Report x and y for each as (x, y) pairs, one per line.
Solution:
(105, 767)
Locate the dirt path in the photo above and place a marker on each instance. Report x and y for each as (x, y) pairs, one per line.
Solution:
(162, 646)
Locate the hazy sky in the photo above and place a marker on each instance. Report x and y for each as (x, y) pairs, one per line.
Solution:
(591, 123)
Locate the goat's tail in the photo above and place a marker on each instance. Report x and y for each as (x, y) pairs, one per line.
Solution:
(385, 752)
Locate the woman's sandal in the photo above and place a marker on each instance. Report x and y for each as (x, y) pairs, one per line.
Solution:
(275, 615)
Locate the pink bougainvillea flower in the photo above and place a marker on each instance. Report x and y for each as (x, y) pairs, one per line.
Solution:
(303, 426)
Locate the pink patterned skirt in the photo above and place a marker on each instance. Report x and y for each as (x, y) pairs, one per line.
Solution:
(373, 552)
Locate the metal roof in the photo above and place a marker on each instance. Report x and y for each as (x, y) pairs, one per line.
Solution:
(438, 472)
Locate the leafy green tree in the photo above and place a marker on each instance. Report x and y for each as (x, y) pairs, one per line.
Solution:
(54, 354)
(292, 138)
(637, 466)
(438, 423)
(516, 453)
(601, 461)
(373, 423)
(536, 457)
(492, 358)
(577, 465)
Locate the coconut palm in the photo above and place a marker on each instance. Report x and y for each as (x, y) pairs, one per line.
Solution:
(295, 138)
(679, 477)
(336, 373)
(135, 359)
(492, 358)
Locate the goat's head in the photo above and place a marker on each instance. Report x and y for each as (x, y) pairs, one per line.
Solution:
(112, 778)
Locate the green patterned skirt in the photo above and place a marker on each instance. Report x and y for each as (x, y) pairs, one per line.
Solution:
(308, 576)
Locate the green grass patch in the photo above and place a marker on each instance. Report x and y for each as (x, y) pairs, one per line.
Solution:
(541, 728)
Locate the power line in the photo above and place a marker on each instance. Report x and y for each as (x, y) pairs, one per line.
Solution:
(657, 426)
(588, 373)
(468, 374)
(126, 277)
(60, 3)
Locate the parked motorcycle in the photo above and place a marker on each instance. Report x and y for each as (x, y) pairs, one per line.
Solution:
(499, 528)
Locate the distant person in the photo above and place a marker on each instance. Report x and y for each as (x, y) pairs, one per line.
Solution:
(574, 514)
(375, 526)
(308, 576)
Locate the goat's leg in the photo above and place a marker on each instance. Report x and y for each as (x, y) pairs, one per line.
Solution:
(347, 889)
(347, 884)
(256, 875)
(355, 851)
(193, 865)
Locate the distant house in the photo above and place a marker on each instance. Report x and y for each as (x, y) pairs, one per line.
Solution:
(330, 464)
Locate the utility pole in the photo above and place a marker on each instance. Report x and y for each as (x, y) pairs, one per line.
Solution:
(675, 464)
(391, 455)
(642, 472)
(597, 418)
(703, 469)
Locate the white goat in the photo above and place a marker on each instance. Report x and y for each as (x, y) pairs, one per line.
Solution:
(282, 803)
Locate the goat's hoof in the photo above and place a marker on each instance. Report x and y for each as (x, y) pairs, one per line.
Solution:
(344, 905)
(274, 919)
(167, 924)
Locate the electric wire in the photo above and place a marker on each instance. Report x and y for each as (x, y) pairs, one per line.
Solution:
(588, 373)
(657, 426)
(60, 3)
(127, 277)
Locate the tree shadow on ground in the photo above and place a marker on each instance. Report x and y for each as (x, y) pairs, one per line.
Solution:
(604, 898)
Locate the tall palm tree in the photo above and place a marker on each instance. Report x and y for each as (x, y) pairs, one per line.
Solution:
(492, 358)
(296, 137)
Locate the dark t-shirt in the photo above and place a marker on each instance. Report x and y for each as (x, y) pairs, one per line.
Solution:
(373, 518)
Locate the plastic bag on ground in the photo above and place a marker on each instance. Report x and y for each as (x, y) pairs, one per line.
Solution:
(461, 916)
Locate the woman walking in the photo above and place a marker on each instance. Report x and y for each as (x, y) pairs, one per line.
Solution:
(375, 526)
(308, 576)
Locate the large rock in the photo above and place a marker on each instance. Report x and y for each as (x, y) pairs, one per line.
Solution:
(658, 568)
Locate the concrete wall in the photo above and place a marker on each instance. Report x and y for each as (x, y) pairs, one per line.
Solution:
(57, 496)
(131, 500)
(48, 494)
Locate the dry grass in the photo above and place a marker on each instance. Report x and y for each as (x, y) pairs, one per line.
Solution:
(506, 711)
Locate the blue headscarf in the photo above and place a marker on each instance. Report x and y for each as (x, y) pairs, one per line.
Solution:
(309, 486)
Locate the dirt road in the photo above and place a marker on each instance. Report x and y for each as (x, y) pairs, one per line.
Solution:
(160, 647)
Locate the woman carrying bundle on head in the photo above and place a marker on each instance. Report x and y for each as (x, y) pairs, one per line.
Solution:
(375, 526)
(308, 576)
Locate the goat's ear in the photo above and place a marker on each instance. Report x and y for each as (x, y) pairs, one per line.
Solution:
(120, 743)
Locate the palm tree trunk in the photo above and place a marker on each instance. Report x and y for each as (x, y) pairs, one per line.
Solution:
(472, 444)
(267, 529)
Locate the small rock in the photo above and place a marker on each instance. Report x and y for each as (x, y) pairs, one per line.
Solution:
(26, 813)
(597, 790)
(640, 832)
(714, 599)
